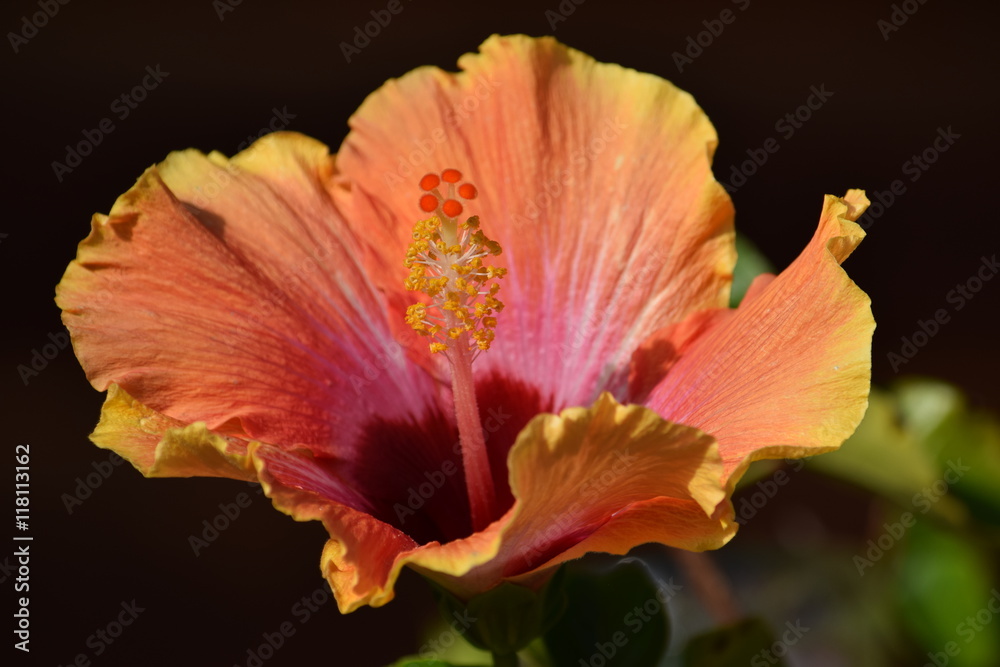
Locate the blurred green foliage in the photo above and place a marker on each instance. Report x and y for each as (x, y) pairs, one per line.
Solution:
(748, 642)
(932, 467)
(750, 263)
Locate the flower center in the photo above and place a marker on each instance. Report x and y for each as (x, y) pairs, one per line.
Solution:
(445, 261)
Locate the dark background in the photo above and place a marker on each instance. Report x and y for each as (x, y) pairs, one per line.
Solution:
(129, 540)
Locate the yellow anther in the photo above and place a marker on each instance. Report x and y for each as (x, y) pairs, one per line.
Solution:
(451, 272)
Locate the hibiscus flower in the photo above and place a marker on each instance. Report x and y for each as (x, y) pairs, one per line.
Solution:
(250, 317)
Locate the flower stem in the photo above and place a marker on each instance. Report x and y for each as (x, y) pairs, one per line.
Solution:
(478, 478)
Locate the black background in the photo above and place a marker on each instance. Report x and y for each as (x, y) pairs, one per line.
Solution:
(129, 540)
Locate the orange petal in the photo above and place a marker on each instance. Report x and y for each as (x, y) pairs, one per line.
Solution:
(604, 478)
(228, 292)
(596, 181)
(652, 360)
(162, 447)
(788, 374)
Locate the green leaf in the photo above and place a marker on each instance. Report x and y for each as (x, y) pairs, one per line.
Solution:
(923, 448)
(965, 443)
(417, 662)
(750, 263)
(883, 455)
(944, 585)
(507, 618)
(735, 645)
(926, 404)
(615, 615)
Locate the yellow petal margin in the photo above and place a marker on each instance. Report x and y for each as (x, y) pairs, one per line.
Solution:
(159, 446)
(604, 478)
